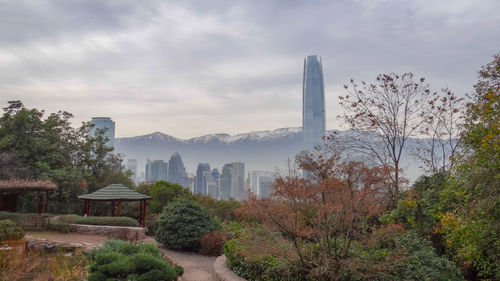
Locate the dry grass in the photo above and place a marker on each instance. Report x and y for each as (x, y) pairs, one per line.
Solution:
(26, 185)
(19, 265)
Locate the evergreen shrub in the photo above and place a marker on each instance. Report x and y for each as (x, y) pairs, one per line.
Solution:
(9, 230)
(120, 260)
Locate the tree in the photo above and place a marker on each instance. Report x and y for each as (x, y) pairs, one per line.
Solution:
(324, 215)
(163, 192)
(385, 115)
(471, 198)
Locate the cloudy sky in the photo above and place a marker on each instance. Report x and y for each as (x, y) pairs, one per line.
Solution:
(188, 68)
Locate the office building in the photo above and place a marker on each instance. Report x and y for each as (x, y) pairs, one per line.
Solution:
(156, 170)
(313, 103)
(106, 125)
(261, 183)
(132, 166)
(199, 184)
(177, 171)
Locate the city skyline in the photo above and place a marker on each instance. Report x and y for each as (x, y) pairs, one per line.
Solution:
(137, 61)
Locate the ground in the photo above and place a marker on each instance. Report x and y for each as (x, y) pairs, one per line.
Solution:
(196, 267)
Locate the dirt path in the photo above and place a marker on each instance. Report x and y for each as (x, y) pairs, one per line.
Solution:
(196, 267)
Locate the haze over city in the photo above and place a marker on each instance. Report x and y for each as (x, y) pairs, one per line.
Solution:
(189, 68)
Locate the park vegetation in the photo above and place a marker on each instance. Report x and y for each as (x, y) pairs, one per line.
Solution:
(346, 220)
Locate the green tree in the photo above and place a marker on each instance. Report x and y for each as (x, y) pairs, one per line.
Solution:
(182, 224)
(163, 192)
(471, 199)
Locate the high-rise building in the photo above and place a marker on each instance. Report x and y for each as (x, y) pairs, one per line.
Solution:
(313, 103)
(199, 184)
(156, 170)
(261, 183)
(177, 171)
(225, 182)
(210, 184)
(104, 124)
(132, 166)
(238, 181)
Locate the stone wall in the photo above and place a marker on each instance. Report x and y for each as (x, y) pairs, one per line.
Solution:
(223, 273)
(132, 234)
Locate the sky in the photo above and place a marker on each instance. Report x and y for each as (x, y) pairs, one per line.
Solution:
(190, 68)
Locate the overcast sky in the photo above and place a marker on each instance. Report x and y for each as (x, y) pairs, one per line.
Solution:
(188, 68)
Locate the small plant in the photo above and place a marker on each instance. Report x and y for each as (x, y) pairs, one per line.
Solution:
(10, 231)
(119, 260)
(212, 242)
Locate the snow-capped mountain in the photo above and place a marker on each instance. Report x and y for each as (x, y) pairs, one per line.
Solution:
(259, 150)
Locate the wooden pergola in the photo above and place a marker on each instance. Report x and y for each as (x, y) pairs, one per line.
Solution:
(116, 193)
(10, 189)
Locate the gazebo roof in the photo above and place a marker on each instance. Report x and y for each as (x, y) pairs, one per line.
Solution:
(114, 192)
(26, 185)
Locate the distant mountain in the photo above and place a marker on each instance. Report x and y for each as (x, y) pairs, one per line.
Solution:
(259, 150)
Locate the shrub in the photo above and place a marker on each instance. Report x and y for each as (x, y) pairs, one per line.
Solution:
(182, 224)
(120, 260)
(9, 230)
(151, 223)
(212, 242)
(29, 221)
(112, 221)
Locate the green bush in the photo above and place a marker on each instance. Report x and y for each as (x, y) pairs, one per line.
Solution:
(182, 224)
(422, 262)
(9, 230)
(29, 221)
(120, 260)
(112, 221)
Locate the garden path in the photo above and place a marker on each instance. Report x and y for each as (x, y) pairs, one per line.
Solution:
(196, 267)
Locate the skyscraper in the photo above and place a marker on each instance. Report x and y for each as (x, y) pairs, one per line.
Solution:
(132, 166)
(313, 103)
(199, 184)
(156, 170)
(261, 183)
(225, 182)
(238, 181)
(105, 124)
(177, 171)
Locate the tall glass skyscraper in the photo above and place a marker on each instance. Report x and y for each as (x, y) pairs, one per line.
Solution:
(106, 124)
(199, 184)
(313, 103)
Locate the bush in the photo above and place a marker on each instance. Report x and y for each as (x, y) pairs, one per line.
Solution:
(10, 231)
(119, 260)
(151, 223)
(182, 224)
(212, 242)
(29, 221)
(112, 221)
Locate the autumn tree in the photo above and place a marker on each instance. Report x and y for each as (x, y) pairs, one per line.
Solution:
(323, 215)
(385, 114)
(471, 199)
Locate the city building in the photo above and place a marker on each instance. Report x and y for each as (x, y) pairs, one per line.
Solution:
(199, 184)
(177, 171)
(106, 125)
(156, 170)
(211, 186)
(132, 166)
(238, 181)
(225, 182)
(313, 103)
(261, 183)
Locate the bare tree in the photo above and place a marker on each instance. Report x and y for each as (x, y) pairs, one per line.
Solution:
(385, 115)
(444, 127)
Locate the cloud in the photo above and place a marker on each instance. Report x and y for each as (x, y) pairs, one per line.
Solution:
(193, 67)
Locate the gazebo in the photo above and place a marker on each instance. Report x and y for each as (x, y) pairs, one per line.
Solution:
(10, 189)
(116, 193)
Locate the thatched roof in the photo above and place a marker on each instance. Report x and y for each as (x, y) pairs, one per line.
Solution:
(114, 192)
(26, 185)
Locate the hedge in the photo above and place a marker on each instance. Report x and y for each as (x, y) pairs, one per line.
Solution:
(111, 221)
(9, 230)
